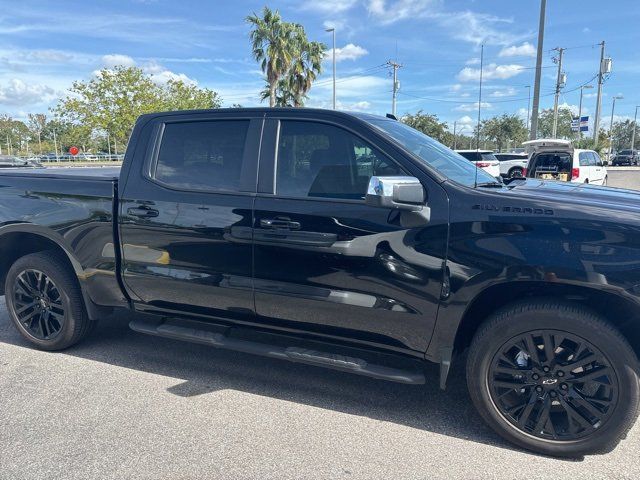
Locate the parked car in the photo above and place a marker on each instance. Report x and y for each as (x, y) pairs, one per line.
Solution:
(10, 161)
(484, 159)
(554, 159)
(626, 157)
(513, 165)
(346, 241)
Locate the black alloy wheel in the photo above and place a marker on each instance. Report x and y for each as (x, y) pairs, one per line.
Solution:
(553, 385)
(45, 301)
(38, 304)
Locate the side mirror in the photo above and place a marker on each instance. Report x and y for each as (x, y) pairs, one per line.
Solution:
(403, 193)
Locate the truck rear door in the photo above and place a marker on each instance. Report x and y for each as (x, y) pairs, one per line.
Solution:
(185, 215)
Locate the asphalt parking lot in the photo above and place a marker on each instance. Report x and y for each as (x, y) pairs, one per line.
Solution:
(124, 405)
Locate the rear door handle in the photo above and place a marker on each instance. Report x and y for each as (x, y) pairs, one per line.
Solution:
(281, 223)
(142, 212)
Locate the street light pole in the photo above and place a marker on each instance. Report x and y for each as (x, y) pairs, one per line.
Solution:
(580, 109)
(596, 120)
(613, 107)
(455, 122)
(633, 135)
(333, 31)
(528, 106)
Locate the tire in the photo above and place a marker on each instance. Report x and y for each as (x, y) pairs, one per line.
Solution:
(515, 172)
(57, 318)
(560, 431)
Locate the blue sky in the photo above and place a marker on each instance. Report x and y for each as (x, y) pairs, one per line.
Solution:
(45, 46)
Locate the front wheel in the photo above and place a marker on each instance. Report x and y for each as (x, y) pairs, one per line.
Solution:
(554, 378)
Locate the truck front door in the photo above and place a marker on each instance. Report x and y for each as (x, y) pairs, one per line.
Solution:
(328, 263)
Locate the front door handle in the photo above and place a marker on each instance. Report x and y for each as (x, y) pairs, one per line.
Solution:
(279, 223)
(142, 212)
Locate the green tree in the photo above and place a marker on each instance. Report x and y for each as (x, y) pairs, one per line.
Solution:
(290, 62)
(504, 130)
(112, 101)
(622, 133)
(545, 124)
(273, 46)
(306, 66)
(36, 123)
(430, 125)
(14, 135)
(177, 95)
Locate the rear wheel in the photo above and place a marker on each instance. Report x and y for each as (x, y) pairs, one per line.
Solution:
(45, 302)
(554, 378)
(516, 172)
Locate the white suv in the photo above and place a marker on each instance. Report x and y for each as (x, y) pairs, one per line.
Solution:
(553, 159)
(484, 159)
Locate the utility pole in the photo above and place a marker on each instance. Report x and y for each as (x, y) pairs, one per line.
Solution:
(333, 31)
(596, 122)
(536, 88)
(559, 84)
(580, 109)
(528, 105)
(55, 143)
(455, 143)
(633, 135)
(613, 107)
(396, 84)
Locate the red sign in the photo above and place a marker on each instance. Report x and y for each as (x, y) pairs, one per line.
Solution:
(73, 150)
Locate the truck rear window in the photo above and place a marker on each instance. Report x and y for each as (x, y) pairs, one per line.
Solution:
(202, 155)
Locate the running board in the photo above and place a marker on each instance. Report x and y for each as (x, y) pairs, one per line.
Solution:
(333, 361)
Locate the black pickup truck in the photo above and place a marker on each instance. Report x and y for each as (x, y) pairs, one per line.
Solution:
(346, 241)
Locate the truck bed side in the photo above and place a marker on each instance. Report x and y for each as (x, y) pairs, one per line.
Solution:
(69, 210)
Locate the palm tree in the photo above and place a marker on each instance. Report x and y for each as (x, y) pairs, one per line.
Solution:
(306, 66)
(273, 45)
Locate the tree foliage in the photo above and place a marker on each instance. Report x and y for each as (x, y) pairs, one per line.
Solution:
(545, 124)
(429, 124)
(622, 134)
(288, 59)
(112, 100)
(503, 131)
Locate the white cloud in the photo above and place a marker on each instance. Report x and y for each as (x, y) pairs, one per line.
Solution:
(465, 124)
(390, 12)
(524, 50)
(356, 86)
(116, 59)
(507, 92)
(586, 30)
(330, 6)
(456, 87)
(361, 106)
(18, 93)
(472, 107)
(473, 61)
(161, 75)
(478, 28)
(348, 52)
(489, 72)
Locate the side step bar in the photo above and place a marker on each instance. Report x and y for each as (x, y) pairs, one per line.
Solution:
(293, 354)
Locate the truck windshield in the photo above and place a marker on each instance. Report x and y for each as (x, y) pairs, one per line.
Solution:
(436, 155)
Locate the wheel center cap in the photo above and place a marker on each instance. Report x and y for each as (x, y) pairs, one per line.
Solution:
(549, 381)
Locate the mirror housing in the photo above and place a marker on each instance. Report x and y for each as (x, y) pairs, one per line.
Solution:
(403, 193)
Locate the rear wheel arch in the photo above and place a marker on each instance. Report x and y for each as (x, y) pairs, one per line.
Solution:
(17, 241)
